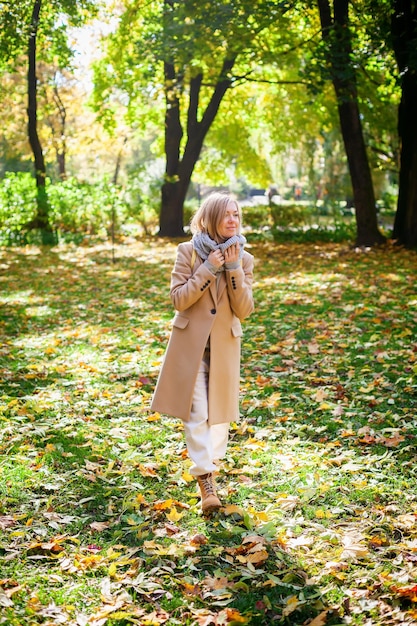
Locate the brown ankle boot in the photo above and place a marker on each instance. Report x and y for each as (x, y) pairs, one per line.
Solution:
(209, 500)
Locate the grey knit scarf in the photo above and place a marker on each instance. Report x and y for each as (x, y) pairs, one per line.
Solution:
(203, 244)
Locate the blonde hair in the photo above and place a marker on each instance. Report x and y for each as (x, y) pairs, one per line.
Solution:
(211, 212)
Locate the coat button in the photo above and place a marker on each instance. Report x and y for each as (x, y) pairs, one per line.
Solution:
(213, 311)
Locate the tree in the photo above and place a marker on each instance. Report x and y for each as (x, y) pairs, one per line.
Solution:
(22, 29)
(198, 49)
(404, 41)
(337, 37)
(41, 220)
(56, 114)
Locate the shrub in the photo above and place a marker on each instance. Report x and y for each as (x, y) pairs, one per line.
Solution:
(256, 217)
(76, 209)
(17, 206)
(84, 208)
(336, 233)
(290, 214)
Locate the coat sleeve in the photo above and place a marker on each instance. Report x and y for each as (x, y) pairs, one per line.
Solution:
(188, 287)
(239, 287)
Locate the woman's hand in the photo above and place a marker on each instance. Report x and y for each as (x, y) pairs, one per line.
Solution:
(216, 258)
(231, 255)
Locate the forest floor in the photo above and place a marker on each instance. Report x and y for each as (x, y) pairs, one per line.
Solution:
(100, 523)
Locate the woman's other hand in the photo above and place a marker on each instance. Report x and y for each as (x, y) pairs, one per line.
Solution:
(216, 259)
(231, 255)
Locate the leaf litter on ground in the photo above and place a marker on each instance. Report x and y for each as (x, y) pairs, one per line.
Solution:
(99, 516)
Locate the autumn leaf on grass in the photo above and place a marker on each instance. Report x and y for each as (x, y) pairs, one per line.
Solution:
(353, 547)
(233, 509)
(302, 541)
(192, 590)
(49, 547)
(7, 521)
(233, 617)
(336, 568)
(394, 441)
(287, 502)
(187, 477)
(162, 505)
(291, 605)
(4, 599)
(174, 515)
(214, 583)
(320, 620)
(251, 550)
(84, 563)
(406, 592)
(198, 540)
(148, 471)
(99, 526)
(256, 558)
(155, 417)
(407, 520)
(140, 499)
(320, 395)
(171, 529)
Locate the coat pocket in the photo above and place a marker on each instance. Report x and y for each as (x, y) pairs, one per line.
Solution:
(237, 329)
(180, 321)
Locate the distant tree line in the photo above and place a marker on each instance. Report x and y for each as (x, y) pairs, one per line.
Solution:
(223, 87)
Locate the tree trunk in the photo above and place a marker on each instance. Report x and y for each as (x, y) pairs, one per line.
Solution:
(404, 34)
(367, 233)
(335, 31)
(178, 171)
(61, 144)
(119, 162)
(41, 219)
(60, 159)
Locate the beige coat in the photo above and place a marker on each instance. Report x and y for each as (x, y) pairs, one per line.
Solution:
(204, 309)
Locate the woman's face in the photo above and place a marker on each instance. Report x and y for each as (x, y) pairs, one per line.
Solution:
(229, 224)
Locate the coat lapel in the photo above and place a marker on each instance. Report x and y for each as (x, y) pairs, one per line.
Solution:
(221, 286)
(213, 291)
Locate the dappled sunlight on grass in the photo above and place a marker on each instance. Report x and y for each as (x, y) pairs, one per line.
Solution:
(319, 481)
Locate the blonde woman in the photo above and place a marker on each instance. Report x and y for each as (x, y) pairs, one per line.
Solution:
(211, 290)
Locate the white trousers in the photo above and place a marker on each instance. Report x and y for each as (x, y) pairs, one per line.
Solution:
(205, 443)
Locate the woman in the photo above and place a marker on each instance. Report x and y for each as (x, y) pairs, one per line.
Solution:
(211, 290)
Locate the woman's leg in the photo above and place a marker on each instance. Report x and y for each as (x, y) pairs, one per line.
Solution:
(219, 439)
(197, 430)
(205, 443)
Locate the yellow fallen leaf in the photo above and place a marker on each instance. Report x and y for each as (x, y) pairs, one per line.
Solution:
(163, 504)
(140, 499)
(233, 616)
(174, 515)
(155, 417)
(292, 604)
(325, 406)
(230, 509)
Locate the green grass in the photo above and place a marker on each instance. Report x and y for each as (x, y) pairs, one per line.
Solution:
(99, 518)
